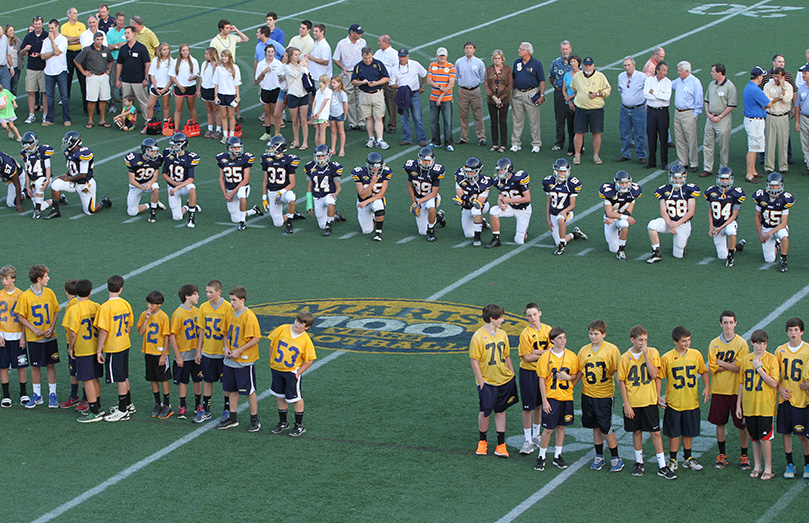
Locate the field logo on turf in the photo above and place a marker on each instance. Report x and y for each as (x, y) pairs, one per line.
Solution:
(387, 326)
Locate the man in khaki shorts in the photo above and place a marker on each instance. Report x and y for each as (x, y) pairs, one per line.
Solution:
(35, 68)
(94, 62)
(370, 76)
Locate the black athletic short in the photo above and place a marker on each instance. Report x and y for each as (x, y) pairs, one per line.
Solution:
(596, 413)
(678, 423)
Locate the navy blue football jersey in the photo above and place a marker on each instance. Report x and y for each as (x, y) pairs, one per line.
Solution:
(772, 209)
(423, 181)
(323, 178)
(142, 168)
(37, 162)
(560, 194)
(677, 199)
(618, 200)
(363, 175)
(279, 169)
(8, 167)
(234, 169)
(722, 203)
(179, 168)
(80, 160)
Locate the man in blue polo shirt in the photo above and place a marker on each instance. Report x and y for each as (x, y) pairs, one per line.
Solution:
(370, 75)
(755, 105)
(529, 82)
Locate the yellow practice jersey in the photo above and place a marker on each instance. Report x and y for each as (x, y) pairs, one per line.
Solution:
(8, 312)
(185, 327)
(39, 310)
(79, 319)
(288, 352)
(531, 340)
(792, 363)
(726, 382)
(241, 328)
(598, 369)
(547, 367)
(491, 352)
(157, 328)
(641, 389)
(682, 372)
(73, 301)
(211, 321)
(758, 398)
(115, 316)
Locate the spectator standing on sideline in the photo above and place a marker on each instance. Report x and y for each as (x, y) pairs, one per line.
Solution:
(632, 124)
(72, 30)
(409, 76)
(658, 55)
(779, 61)
(320, 55)
(13, 58)
(720, 100)
(657, 90)
(370, 75)
(527, 96)
(105, 21)
(116, 38)
(575, 66)
(35, 68)
(94, 63)
(303, 40)
(776, 133)
(388, 56)
(87, 39)
(563, 114)
(471, 72)
(347, 53)
(54, 52)
(802, 114)
(441, 77)
(498, 83)
(145, 35)
(225, 41)
(591, 88)
(688, 100)
(132, 65)
(756, 104)
(275, 32)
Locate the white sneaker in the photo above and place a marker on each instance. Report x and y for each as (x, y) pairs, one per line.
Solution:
(116, 415)
(527, 447)
(371, 142)
(535, 149)
(515, 148)
(383, 144)
(31, 118)
(265, 137)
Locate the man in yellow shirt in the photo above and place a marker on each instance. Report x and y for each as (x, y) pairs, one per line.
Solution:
(145, 36)
(591, 88)
(72, 30)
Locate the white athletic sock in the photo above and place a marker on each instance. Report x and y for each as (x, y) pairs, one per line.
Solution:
(655, 247)
(661, 460)
(219, 128)
(210, 127)
(542, 452)
(51, 388)
(38, 389)
(639, 456)
(557, 452)
(249, 213)
(537, 430)
(527, 433)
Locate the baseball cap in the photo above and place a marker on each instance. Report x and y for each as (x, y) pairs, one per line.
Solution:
(588, 61)
(403, 52)
(804, 68)
(756, 72)
(442, 51)
(356, 28)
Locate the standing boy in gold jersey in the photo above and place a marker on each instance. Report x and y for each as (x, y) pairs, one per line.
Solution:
(598, 363)
(210, 350)
(793, 414)
(154, 326)
(184, 341)
(114, 323)
(533, 344)
(680, 367)
(73, 399)
(12, 339)
(724, 354)
(37, 310)
(758, 380)
(291, 353)
(241, 354)
(82, 346)
(558, 372)
(494, 375)
(639, 382)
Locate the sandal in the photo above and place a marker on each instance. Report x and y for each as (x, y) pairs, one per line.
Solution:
(751, 179)
(89, 126)
(755, 474)
(294, 145)
(570, 153)
(303, 147)
(502, 148)
(576, 160)
(494, 148)
(104, 124)
(767, 475)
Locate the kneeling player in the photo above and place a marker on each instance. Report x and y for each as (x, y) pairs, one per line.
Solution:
(562, 191)
(178, 171)
(143, 170)
(677, 205)
(372, 184)
(471, 192)
(619, 203)
(323, 188)
(514, 200)
(78, 179)
(10, 173)
(772, 214)
(279, 180)
(724, 200)
(37, 166)
(234, 180)
(424, 176)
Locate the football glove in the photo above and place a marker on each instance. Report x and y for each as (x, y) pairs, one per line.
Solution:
(476, 203)
(310, 202)
(415, 209)
(457, 201)
(265, 203)
(279, 196)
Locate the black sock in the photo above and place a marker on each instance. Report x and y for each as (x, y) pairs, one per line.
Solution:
(157, 398)
(95, 407)
(234, 416)
(282, 416)
(122, 402)
(805, 460)
(55, 202)
(482, 436)
(74, 390)
(686, 453)
(24, 389)
(83, 394)
(789, 457)
(614, 451)
(253, 417)
(227, 402)
(6, 393)
(721, 447)
(673, 455)
(129, 397)
(299, 418)
(182, 402)
(599, 449)
(501, 438)
(197, 400)
(206, 403)
(744, 451)
(167, 400)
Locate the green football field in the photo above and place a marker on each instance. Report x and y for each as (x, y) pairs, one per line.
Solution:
(391, 407)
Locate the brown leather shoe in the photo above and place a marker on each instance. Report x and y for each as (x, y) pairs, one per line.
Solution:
(705, 174)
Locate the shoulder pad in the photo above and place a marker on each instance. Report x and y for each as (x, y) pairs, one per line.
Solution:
(47, 150)
(409, 164)
(85, 154)
(635, 190)
(437, 167)
(293, 160)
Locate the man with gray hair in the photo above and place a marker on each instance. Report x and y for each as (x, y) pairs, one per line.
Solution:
(390, 57)
(527, 96)
(86, 39)
(658, 55)
(688, 100)
(561, 110)
(347, 53)
(720, 100)
(145, 35)
(632, 123)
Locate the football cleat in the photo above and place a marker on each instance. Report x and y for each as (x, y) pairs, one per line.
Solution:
(377, 236)
(730, 261)
(775, 184)
(623, 181)
(560, 249)
(235, 147)
(476, 241)
(621, 254)
(442, 220)
(494, 243)
(106, 203)
(149, 149)
(276, 146)
(258, 210)
(338, 216)
(327, 230)
(71, 141)
(677, 176)
(471, 169)
(375, 163)
(426, 159)
(655, 257)
(152, 215)
(242, 226)
(578, 234)
(740, 245)
(281, 427)
(36, 214)
(430, 234)
(782, 265)
(288, 228)
(561, 170)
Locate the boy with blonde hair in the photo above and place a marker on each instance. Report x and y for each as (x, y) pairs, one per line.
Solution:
(13, 352)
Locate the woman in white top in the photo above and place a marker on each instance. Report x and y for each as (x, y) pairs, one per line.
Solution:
(206, 93)
(161, 84)
(297, 98)
(227, 80)
(320, 114)
(267, 72)
(184, 73)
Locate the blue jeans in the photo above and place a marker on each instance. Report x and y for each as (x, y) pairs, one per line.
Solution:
(50, 92)
(5, 78)
(446, 113)
(633, 124)
(415, 110)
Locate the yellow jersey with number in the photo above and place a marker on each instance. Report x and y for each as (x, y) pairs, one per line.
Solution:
(758, 398)
(79, 319)
(241, 328)
(598, 369)
(115, 316)
(682, 372)
(8, 314)
(491, 352)
(185, 327)
(211, 323)
(288, 352)
(40, 310)
(531, 340)
(73, 301)
(641, 389)
(726, 382)
(792, 364)
(157, 328)
(547, 367)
